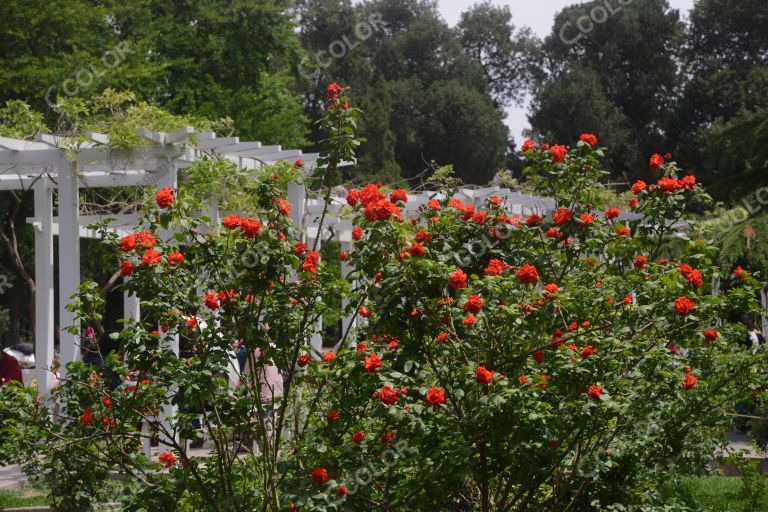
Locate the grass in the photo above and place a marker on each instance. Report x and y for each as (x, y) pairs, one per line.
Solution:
(717, 494)
(25, 497)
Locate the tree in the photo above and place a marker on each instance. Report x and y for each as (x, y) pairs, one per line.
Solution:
(411, 70)
(488, 36)
(724, 94)
(632, 56)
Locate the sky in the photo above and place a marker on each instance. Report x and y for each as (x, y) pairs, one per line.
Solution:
(539, 16)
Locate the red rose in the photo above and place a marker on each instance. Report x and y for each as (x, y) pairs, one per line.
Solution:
(126, 268)
(416, 250)
(341, 491)
(386, 438)
(372, 363)
(167, 459)
(633, 202)
(86, 418)
(483, 375)
(299, 248)
(333, 91)
(458, 280)
(612, 213)
(146, 239)
(358, 437)
(689, 380)
(353, 196)
(298, 163)
(362, 311)
(127, 243)
(589, 139)
(558, 153)
(683, 305)
(595, 392)
(250, 227)
(303, 360)
(552, 233)
(398, 195)
(551, 289)
(622, 231)
(175, 259)
(527, 274)
(562, 216)
(211, 301)
(638, 187)
(370, 194)
(688, 181)
(533, 220)
(231, 221)
(474, 304)
(328, 357)
(527, 145)
(538, 356)
(469, 321)
(387, 395)
(357, 233)
(442, 337)
(164, 197)
(740, 274)
(669, 184)
(656, 161)
(151, 257)
(422, 237)
(343, 255)
(585, 219)
(320, 475)
(334, 416)
(495, 267)
(310, 262)
(284, 207)
(435, 396)
(587, 351)
(639, 262)
(710, 334)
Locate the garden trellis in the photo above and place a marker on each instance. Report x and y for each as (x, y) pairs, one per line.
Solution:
(51, 162)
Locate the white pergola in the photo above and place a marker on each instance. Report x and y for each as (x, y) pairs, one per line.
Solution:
(49, 162)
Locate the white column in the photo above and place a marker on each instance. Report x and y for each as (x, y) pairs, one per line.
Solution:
(346, 269)
(297, 196)
(44, 299)
(169, 179)
(69, 258)
(131, 308)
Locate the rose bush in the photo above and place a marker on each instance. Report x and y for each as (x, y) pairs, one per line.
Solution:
(501, 362)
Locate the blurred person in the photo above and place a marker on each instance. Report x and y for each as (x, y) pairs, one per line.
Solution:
(10, 370)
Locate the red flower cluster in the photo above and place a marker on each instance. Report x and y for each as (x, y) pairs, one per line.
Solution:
(458, 280)
(167, 459)
(495, 267)
(656, 161)
(310, 262)
(150, 257)
(474, 304)
(639, 262)
(590, 139)
(689, 380)
(528, 145)
(435, 396)
(483, 375)
(710, 334)
(562, 216)
(683, 305)
(164, 197)
(595, 392)
(612, 213)
(143, 239)
(320, 475)
(175, 259)
(558, 153)
(638, 187)
(387, 395)
(693, 276)
(527, 274)
(372, 363)
(86, 418)
(740, 274)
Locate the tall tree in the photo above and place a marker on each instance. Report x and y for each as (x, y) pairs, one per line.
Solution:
(506, 54)
(427, 94)
(632, 56)
(718, 127)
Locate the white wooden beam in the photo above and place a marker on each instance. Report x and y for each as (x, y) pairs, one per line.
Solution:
(44, 287)
(69, 258)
